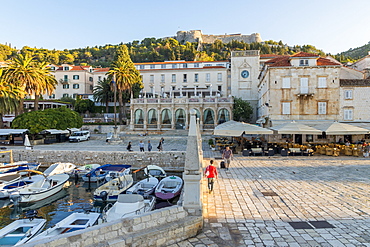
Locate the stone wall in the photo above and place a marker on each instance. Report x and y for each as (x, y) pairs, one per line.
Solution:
(198, 36)
(161, 227)
(170, 160)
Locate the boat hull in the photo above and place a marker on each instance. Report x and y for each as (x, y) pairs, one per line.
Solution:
(169, 187)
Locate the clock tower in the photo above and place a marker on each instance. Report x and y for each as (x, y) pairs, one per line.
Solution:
(245, 68)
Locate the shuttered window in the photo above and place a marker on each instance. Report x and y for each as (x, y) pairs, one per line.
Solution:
(286, 108)
(322, 108)
(286, 82)
(348, 114)
(322, 82)
(304, 86)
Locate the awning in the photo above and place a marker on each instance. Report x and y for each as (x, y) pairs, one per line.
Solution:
(296, 128)
(6, 132)
(54, 132)
(336, 128)
(233, 128)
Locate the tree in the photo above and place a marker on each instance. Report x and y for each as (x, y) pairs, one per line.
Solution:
(103, 93)
(36, 121)
(84, 105)
(46, 82)
(125, 75)
(10, 96)
(241, 110)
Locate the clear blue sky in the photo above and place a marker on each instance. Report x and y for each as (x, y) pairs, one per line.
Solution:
(331, 25)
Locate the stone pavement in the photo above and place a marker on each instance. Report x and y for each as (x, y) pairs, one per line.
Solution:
(255, 200)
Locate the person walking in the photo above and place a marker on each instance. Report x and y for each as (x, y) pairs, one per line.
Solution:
(160, 146)
(149, 146)
(211, 174)
(129, 146)
(141, 146)
(227, 155)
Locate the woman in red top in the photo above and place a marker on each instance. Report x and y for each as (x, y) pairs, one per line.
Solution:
(211, 174)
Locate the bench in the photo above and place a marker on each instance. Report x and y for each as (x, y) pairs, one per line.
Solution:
(257, 151)
(295, 151)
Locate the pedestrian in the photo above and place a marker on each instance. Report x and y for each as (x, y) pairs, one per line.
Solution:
(129, 146)
(227, 155)
(141, 146)
(160, 146)
(162, 140)
(211, 174)
(149, 146)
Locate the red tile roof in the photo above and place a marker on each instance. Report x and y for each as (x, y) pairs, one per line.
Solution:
(324, 61)
(284, 61)
(305, 54)
(101, 69)
(173, 62)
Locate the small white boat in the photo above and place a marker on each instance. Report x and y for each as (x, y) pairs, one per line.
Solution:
(59, 168)
(128, 205)
(39, 190)
(82, 170)
(101, 172)
(154, 171)
(7, 188)
(73, 222)
(20, 231)
(18, 166)
(110, 190)
(6, 178)
(169, 187)
(144, 187)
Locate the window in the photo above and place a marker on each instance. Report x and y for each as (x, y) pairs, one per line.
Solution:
(99, 78)
(185, 78)
(322, 82)
(207, 65)
(219, 88)
(163, 66)
(65, 78)
(196, 77)
(219, 76)
(74, 95)
(174, 66)
(152, 66)
(76, 86)
(286, 108)
(348, 114)
(348, 94)
(304, 85)
(196, 65)
(91, 87)
(303, 62)
(162, 78)
(76, 77)
(208, 77)
(173, 78)
(286, 82)
(184, 65)
(65, 95)
(142, 66)
(65, 86)
(66, 68)
(52, 96)
(151, 78)
(91, 79)
(321, 108)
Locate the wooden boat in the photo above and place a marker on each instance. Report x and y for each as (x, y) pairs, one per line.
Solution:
(128, 205)
(110, 190)
(18, 166)
(144, 187)
(101, 172)
(6, 178)
(83, 170)
(169, 187)
(7, 188)
(21, 231)
(154, 171)
(74, 222)
(39, 190)
(59, 168)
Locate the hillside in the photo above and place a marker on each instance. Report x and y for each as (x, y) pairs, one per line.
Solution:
(358, 52)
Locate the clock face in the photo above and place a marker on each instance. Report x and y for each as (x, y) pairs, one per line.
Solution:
(245, 74)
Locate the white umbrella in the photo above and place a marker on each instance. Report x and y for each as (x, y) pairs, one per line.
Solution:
(27, 142)
(296, 128)
(336, 128)
(233, 128)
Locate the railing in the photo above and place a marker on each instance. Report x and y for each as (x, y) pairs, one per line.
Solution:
(208, 126)
(152, 126)
(139, 126)
(166, 126)
(182, 100)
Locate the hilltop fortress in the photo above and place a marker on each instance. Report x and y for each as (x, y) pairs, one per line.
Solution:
(198, 36)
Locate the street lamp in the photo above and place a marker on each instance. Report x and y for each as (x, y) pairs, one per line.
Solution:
(115, 110)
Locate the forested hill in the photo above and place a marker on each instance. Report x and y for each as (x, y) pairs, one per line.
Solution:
(155, 50)
(357, 53)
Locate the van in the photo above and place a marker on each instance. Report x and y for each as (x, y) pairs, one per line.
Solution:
(80, 136)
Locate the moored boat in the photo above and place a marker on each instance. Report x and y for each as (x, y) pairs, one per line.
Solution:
(59, 168)
(128, 205)
(73, 222)
(21, 231)
(169, 187)
(144, 187)
(110, 190)
(154, 171)
(101, 172)
(7, 188)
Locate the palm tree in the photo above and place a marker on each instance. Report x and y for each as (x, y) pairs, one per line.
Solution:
(125, 75)
(103, 93)
(10, 96)
(47, 82)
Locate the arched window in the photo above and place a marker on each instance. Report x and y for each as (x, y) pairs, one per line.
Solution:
(209, 116)
(197, 113)
(180, 119)
(152, 116)
(139, 116)
(223, 116)
(166, 116)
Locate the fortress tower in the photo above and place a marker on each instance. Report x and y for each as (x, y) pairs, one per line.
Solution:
(198, 36)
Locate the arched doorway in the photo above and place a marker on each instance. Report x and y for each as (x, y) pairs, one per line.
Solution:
(139, 118)
(180, 119)
(223, 116)
(166, 118)
(209, 119)
(152, 119)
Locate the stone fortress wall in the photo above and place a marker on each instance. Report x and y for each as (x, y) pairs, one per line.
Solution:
(198, 36)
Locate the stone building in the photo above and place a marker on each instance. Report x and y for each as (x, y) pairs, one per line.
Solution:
(302, 87)
(198, 36)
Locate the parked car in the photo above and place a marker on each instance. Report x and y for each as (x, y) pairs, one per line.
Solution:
(80, 136)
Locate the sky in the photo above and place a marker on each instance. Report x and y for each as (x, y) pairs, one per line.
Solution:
(330, 25)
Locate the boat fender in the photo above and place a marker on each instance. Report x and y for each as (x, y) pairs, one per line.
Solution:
(104, 195)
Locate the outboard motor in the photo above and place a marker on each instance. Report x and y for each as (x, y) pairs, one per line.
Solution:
(31, 214)
(15, 197)
(104, 195)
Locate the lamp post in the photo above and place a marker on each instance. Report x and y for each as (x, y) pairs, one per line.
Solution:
(115, 137)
